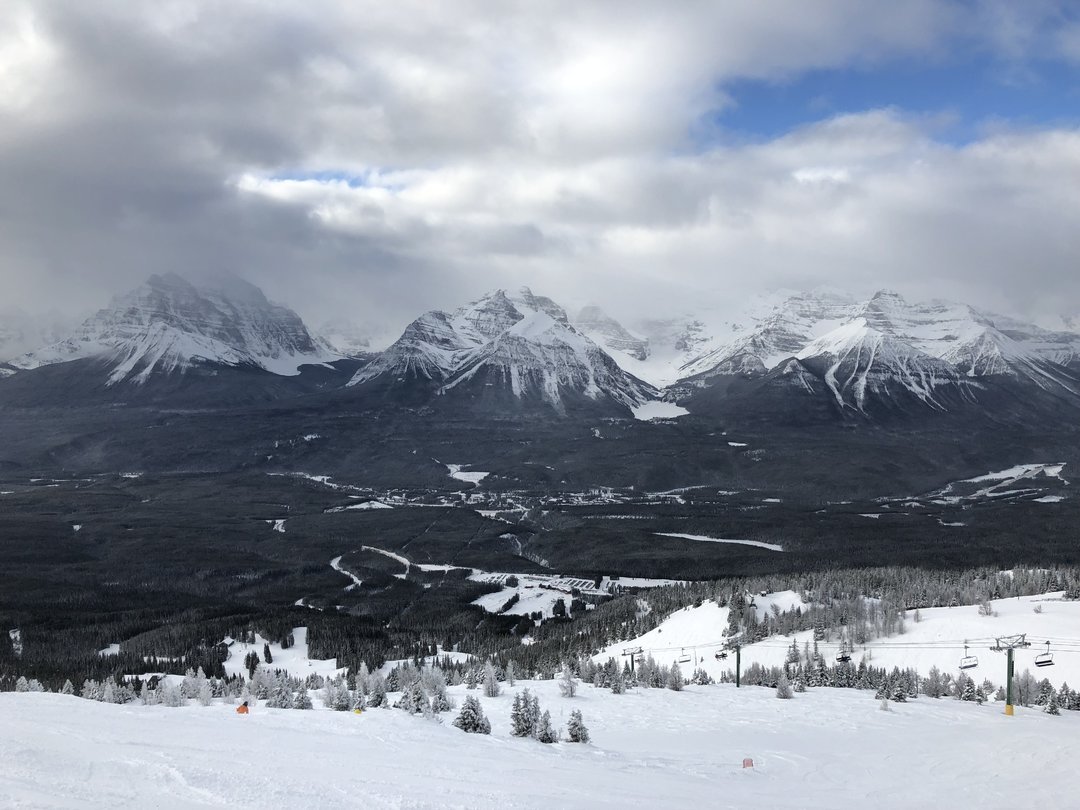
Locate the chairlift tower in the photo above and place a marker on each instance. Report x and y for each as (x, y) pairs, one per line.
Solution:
(1007, 644)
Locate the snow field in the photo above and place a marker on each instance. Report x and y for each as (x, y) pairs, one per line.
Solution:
(650, 748)
(294, 660)
(936, 640)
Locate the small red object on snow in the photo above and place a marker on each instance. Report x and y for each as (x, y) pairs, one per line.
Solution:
(748, 763)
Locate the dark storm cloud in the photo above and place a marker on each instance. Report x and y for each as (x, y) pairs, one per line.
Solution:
(374, 160)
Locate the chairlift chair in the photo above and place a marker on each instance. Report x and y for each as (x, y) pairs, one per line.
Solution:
(843, 656)
(968, 661)
(1045, 659)
(684, 658)
(720, 656)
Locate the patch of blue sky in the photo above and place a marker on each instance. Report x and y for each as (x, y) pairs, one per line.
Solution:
(372, 178)
(965, 99)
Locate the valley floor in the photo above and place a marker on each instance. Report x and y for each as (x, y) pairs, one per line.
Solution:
(650, 748)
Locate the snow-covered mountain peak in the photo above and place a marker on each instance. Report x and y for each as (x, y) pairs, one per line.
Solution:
(169, 325)
(609, 333)
(522, 345)
(858, 361)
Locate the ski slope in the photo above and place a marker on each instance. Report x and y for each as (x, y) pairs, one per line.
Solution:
(937, 639)
(650, 748)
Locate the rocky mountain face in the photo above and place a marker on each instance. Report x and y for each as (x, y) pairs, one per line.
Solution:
(504, 350)
(168, 326)
(605, 331)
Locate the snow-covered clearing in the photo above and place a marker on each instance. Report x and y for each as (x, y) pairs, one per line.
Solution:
(294, 660)
(360, 507)
(1003, 484)
(650, 748)
(937, 639)
(1050, 499)
(277, 525)
(702, 539)
(458, 472)
(112, 649)
(659, 410)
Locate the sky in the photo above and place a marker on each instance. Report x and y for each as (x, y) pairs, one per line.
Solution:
(368, 161)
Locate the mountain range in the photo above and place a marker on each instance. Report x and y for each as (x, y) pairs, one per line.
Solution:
(517, 352)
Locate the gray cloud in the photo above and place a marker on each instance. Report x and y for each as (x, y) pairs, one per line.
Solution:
(372, 160)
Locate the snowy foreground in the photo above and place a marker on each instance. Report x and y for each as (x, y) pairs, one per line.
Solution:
(650, 748)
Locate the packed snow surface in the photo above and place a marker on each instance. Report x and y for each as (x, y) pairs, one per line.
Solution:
(650, 748)
(293, 660)
(658, 410)
(937, 639)
(698, 538)
(459, 473)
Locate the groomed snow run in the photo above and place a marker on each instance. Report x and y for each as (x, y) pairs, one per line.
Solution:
(659, 410)
(825, 749)
(698, 538)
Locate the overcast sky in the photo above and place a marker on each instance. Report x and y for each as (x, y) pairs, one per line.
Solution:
(375, 159)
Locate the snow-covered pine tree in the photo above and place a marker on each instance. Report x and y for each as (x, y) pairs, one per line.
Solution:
(377, 694)
(1046, 689)
(567, 682)
(545, 732)
(413, 700)
(471, 719)
(575, 729)
(899, 691)
(783, 687)
(470, 678)
(491, 681)
(267, 657)
(303, 699)
(800, 685)
(206, 692)
(68, 688)
(22, 685)
(675, 678)
(511, 673)
(1052, 704)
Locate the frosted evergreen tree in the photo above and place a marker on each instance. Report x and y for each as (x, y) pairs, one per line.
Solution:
(206, 693)
(280, 696)
(575, 729)
(491, 681)
(1046, 689)
(303, 699)
(245, 696)
(68, 688)
(471, 719)
(171, 696)
(800, 685)
(108, 692)
(470, 678)
(267, 657)
(363, 680)
(783, 687)
(980, 696)
(792, 654)
(545, 732)
(524, 714)
(618, 684)
(999, 695)
(1052, 704)
(567, 682)
(150, 697)
(899, 692)
(933, 686)
(413, 700)
(377, 694)
(511, 673)
(967, 691)
(675, 678)
(22, 685)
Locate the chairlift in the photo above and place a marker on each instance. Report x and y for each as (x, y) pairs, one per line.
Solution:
(721, 656)
(684, 658)
(843, 656)
(1045, 659)
(968, 661)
